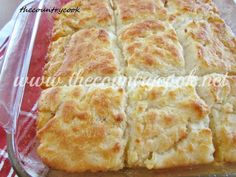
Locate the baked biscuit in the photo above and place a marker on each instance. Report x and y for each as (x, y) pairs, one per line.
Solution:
(220, 94)
(151, 48)
(169, 127)
(93, 13)
(209, 46)
(82, 128)
(88, 53)
(181, 11)
(130, 11)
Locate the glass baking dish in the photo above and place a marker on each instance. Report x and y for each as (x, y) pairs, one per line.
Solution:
(18, 100)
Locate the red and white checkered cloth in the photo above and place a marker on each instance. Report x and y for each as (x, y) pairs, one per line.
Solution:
(25, 135)
(6, 169)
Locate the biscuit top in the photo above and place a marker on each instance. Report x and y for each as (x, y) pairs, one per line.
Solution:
(152, 46)
(188, 6)
(92, 13)
(82, 128)
(180, 10)
(137, 10)
(168, 123)
(88, 53)
(214, 45)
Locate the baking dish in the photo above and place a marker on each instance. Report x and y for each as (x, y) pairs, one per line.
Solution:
(18, 104)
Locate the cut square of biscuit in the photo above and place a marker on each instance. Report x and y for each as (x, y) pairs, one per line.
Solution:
(209, 46)
(169, 127)
(92, 13)
(82, 128)
(151, 48)
(130, 11)
(219, 91)
(181, 11)
(88, 54)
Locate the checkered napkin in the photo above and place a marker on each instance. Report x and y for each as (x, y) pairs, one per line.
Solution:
(25, 137)
(26, 143)
(5, 166)
(6, 169)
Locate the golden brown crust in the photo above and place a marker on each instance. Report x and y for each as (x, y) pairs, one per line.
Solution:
(220, 94)
(168, 127)
(180, 11)
(151, 48)
(92, 13)
(87, 53)
(210, 46)
(81, 128)
(137, 10)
